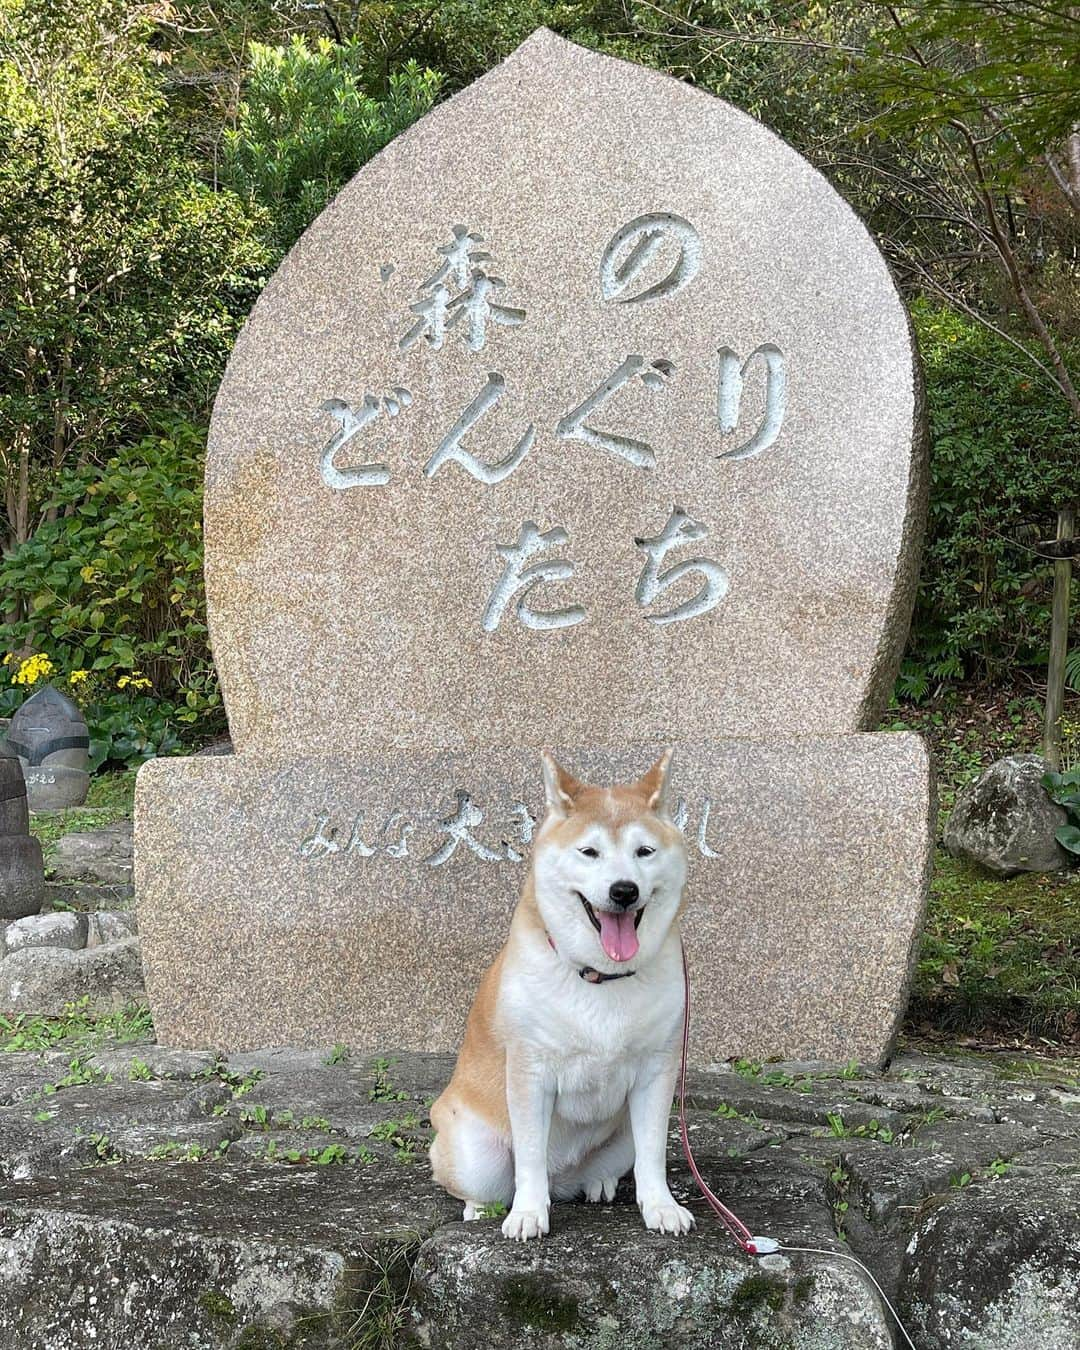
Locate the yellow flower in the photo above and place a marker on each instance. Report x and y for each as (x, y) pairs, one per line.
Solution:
(31, 670)
(135, 680)
(78, 677)
(88, 573)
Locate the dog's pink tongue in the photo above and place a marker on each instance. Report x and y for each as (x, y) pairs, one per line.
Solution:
(618, 937)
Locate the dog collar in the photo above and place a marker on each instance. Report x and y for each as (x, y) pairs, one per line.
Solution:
(591, 976)
(587, 973)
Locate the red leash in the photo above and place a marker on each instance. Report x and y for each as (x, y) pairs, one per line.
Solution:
(753, 1246)
(747, 1242)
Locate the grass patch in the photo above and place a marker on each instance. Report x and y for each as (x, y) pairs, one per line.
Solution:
(377, 1323)
(75, 1029)
(998, 958)
(1061, 1074)
(383, 1090)
(111, 798)
(398, 1133)
(1000, 955)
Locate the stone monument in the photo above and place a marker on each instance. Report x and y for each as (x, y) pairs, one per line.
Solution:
(48, 733)
(22, 873)
(587, 416)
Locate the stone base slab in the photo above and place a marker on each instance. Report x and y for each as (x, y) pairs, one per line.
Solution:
(358, 900)
(55, 787)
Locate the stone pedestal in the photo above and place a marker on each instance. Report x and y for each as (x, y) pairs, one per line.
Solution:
(359, 899)
(53, 787)
(14, 810)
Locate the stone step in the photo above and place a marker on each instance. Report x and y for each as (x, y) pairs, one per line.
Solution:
(154, 1199)
(170, 1255)
(600, 1280)
(148, 1256)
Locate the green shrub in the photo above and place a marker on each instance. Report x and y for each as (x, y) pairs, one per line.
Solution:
(306, 125)
(112, 590)
(1005, 456)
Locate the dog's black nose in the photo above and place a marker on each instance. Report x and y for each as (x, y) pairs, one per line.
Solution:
(624, 893)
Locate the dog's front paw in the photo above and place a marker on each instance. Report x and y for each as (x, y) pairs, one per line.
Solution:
(522, 1224)
(665, 1215)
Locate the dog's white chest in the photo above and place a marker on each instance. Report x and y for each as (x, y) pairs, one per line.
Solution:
(591, 1090)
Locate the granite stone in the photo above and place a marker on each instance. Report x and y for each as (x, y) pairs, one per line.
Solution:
(590, 419)
(357, 900)
(600, 1282)
(46, 930)
(1000, 1268)
(110, 925)
(130, 1061)
(1005, 820)
(140, 1214)
(48, 979)
(586, 314)
(144, 1256)
(102, 856)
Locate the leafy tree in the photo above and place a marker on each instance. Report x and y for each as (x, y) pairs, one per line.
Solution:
(306, 125)
(156, 160)
(123, 276)
(984, 97)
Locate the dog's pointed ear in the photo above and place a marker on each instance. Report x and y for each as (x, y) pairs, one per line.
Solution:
(654, 786)
(560, 787)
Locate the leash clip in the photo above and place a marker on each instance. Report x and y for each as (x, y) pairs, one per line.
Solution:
(762, 1246)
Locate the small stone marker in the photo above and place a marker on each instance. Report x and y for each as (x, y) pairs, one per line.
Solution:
(49, 735)
(591, 421)
(22, 874)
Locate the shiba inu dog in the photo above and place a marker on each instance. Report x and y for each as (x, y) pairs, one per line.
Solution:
(567, 1071)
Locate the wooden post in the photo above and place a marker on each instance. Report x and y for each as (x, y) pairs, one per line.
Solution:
(1059, 643)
